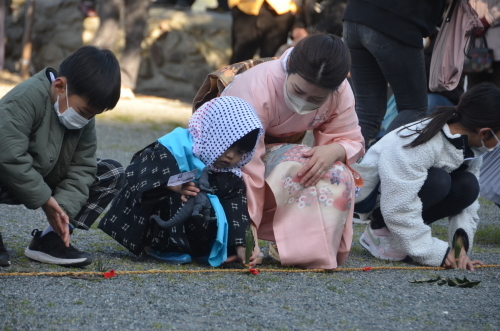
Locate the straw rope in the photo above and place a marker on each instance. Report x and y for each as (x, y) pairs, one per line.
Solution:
(242, 271)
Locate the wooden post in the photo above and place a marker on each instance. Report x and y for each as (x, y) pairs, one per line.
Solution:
(27, 44)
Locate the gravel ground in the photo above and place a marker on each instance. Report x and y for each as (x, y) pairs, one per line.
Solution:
(375, 300)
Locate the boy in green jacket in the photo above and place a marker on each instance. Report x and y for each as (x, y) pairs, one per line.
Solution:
(47, 151)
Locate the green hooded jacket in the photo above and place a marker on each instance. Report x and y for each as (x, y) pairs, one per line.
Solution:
(39, 157)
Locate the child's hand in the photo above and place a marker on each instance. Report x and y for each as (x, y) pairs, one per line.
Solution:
(57, 219)
(463, 261)
(188, 189)
(241, 256)
(255, 256)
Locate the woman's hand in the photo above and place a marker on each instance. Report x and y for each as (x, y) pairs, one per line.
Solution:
(57, 219)
(185, 190)
(463, 262)
(321, 159)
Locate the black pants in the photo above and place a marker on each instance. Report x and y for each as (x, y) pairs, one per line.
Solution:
(442, 195)
(266, 31)
(108, 182)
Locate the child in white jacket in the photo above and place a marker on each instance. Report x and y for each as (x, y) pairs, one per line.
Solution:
(426, 171)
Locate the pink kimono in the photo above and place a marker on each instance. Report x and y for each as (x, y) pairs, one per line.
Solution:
(312, 227)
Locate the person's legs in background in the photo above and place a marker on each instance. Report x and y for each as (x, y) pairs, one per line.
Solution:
(3, 9)
(404, 68)
(369, 83)
(435, 100)
(109, 17)
(273, 30)
(377, 58)
(136, 15)
(245, 39)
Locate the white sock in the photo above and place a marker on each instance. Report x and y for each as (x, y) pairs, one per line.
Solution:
(49, 229)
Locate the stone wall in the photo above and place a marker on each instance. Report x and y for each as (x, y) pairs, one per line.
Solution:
(178, 51)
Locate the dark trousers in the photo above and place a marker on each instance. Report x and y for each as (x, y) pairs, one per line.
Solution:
(108, 182)
(266, 31)
(442, 195)
(377, 60)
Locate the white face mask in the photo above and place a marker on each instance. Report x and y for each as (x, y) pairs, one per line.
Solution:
(70, 118)
(296, 104)
(483, 149)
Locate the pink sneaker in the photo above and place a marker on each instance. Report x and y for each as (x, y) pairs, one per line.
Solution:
(380, 243)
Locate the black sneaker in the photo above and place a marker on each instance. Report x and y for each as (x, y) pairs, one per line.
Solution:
(50, 249)
(4, 255)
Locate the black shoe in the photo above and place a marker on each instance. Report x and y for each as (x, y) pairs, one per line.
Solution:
(4, 255)
(50, 249)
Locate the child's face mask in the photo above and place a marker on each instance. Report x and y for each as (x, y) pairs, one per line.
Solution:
(70, 118)
(483, 149)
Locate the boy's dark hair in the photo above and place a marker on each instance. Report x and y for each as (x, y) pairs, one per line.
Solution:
(248, 141)
(479, 107)
(321, 59)
(93, 74)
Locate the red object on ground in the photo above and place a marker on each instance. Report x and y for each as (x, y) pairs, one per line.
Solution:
(109, 274)
(254, 271)
(367, 269)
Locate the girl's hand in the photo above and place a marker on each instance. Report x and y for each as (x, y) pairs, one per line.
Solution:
(241, 256)
(463, 262)
(254, 257)
(188, 189)
(321, 159)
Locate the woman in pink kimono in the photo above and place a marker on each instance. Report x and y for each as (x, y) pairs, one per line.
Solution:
(301, 198)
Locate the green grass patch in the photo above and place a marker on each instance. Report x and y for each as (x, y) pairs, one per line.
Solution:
(488, 235)
(440, 231)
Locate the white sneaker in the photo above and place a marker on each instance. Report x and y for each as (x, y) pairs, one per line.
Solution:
(381, 243)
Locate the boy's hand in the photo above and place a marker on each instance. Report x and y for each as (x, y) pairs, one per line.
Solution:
(463, 261)
(57, 219)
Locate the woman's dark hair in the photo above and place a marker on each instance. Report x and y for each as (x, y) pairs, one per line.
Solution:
(248, 141)
(479, 107)
(93, 74)
(321, 59)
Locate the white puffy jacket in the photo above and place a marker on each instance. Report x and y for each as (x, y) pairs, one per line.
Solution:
(402, 172)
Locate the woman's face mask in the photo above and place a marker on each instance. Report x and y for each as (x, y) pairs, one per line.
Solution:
(70, 118)
(296, 103)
